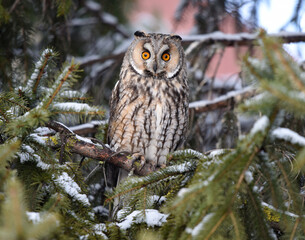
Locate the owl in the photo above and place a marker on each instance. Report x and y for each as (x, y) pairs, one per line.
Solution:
(149, 103)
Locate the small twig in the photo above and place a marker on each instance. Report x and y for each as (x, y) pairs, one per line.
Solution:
(93, 172)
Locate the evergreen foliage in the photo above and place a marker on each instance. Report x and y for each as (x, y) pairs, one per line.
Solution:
(254, 190)
(54, 195)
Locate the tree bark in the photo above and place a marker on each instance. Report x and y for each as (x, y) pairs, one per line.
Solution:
(86, 148)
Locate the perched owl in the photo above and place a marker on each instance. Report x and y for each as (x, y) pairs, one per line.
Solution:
(149, 103)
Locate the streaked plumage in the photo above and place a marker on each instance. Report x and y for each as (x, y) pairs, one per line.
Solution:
(149, 104)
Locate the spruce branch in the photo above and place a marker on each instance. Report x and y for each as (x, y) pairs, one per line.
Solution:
(296, 80)
(68, 71)
(258, 210)
(218, 223)
(294, 229)
(7, 150)
(14, 221)
(235, 224)
(9, 102)
(46, 56)
(14, 100)
(40, 67)
(3, 115)
(154, 178)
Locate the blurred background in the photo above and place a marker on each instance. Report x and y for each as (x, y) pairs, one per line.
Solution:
(96, 34)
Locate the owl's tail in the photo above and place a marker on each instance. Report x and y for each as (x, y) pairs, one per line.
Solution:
(118, 202)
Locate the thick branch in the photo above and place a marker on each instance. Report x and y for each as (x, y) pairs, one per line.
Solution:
(222, 101)
(87, 148)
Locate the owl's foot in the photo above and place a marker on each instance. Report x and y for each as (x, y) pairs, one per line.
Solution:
(138, 161)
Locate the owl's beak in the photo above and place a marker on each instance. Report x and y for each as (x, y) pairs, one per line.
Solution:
(155, 67)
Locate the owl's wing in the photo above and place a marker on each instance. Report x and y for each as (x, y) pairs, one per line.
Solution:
(115, 97)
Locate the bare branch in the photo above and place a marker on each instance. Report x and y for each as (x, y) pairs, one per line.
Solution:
(241, 39)
(228, 40)
(222, 101)
(91, 61)
(87, 148)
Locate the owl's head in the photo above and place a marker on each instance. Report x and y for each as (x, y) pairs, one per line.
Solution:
(156, 55)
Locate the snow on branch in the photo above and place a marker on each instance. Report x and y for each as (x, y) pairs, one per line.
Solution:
(260, 125)
(71, 188)
(39, 70)
(151, 217)
(87, 148)
(222, 101)
(289, 136)
(74, 107)
(197, 229)
(287, 213)
(238, 39)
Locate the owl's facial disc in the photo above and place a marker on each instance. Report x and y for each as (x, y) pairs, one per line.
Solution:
(157, 58)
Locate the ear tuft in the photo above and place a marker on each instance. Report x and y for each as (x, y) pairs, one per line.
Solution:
(140, 34)
(176, 37)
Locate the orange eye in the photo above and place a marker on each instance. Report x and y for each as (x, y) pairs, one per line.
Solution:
(145, 55)
(165, 57)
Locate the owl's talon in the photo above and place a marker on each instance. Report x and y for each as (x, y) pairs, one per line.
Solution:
(138, 161)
